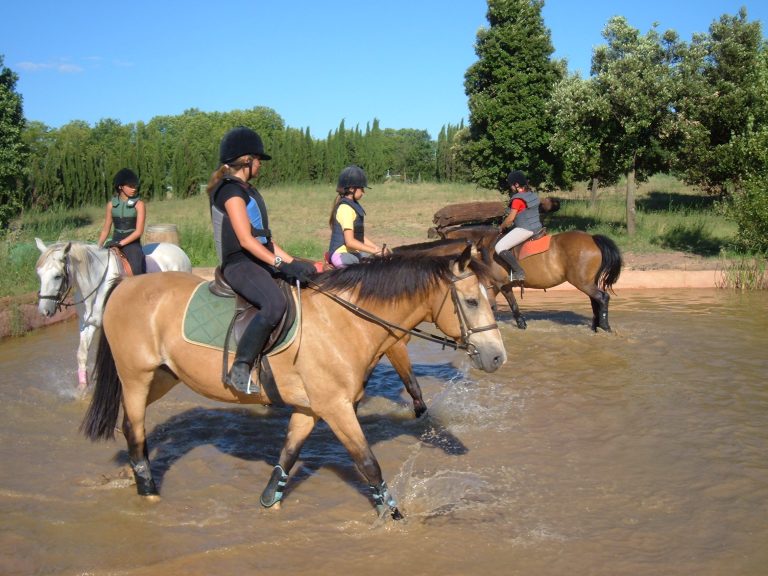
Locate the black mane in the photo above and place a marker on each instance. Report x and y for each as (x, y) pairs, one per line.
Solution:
(393, 276)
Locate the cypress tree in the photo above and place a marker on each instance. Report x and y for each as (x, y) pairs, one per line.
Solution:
(508, 88)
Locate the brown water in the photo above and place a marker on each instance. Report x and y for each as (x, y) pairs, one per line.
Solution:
(633, 453)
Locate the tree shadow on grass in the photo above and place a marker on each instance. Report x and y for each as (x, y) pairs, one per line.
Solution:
(692, 239)
(657, 201)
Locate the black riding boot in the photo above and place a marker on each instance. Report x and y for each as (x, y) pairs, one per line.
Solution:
(516, 272)
(249, 348)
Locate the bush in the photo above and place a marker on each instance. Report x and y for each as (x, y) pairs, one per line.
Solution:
(749, 209)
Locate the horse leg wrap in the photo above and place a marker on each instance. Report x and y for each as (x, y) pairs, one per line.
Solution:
(145, 485)
(384, 501)
(273, 493)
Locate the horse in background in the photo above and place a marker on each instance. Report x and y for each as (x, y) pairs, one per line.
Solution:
(91, 271)
(590, 262)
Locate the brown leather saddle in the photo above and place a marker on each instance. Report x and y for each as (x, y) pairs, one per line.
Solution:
(122, 262)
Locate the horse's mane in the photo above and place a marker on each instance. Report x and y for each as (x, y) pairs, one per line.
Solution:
(443, 243)
(394, 276)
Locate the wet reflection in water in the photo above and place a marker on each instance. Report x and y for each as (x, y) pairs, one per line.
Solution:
(637, 452)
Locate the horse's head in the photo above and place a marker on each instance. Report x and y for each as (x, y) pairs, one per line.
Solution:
(465, 314)
(54, 277)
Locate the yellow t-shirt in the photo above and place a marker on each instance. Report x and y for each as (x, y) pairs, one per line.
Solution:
(345, 216)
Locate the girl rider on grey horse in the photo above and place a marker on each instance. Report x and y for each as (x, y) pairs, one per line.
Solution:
(521, 222)
(127, 212)
(248, 255)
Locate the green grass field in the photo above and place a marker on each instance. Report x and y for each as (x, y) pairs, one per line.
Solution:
(670, 217)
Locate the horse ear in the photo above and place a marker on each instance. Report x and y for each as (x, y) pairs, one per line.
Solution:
(67, 247)
(40, 245)
(466, 256)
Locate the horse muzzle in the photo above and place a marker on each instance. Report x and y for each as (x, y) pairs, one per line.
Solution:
(46, 307)
(487, 356)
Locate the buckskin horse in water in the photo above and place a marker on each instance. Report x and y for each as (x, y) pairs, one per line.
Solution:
(591, 263)
(143, 354)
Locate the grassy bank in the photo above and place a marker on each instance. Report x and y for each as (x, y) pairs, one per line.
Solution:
(670, 216)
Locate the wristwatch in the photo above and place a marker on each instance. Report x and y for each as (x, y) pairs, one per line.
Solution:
(278, 262)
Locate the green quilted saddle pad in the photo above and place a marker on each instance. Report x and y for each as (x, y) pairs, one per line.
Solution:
(207, 318)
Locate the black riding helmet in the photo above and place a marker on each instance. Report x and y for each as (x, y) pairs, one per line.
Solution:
(125, 176)
(352, 177)
(239, 142)
(517, 177)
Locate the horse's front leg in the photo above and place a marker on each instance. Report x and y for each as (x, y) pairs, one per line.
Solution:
(507, 290)
(86, 337)
(299, 428)
(401, 362)
(344, 423)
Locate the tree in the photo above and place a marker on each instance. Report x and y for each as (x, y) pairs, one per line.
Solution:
(723, 108)
(508, 88)
(580, 115)
(13, 153)
(633, 73)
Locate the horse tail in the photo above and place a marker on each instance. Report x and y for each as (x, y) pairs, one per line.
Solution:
(101, 418)
(610, 267)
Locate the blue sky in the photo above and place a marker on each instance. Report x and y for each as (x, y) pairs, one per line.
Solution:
(314, 63)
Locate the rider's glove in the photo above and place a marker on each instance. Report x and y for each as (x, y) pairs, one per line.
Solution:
(112, 244)
(297, 270)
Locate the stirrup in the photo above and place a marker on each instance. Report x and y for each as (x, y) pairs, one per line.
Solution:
(250, 387)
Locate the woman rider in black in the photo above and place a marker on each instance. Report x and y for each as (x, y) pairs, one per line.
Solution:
(248, 255)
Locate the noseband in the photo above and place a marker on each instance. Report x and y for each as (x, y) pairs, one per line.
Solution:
(466, 329)
(66, 286)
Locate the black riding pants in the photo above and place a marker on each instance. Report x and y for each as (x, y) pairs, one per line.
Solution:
(255, 284)
(135, 256)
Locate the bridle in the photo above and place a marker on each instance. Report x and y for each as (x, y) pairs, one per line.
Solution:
(464, 325)
(65, 287)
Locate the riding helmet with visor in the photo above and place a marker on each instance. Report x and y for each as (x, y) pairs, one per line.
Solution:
(125, 177)
(352, 177)
(241, 141)
(517, 177)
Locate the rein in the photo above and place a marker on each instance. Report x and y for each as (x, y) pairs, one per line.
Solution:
(466, 331)
(66, 286)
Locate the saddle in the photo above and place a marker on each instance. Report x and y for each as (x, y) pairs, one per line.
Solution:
(215, 317)
(536, 244)
(245, 311)
(122, 262)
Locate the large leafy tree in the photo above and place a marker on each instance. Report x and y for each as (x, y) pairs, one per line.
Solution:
(508, 88)
(13, 152)
(581, 116)
(633, 73)
(723, 108)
